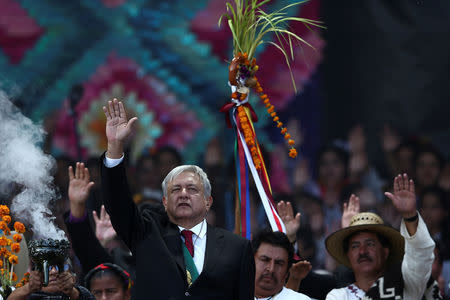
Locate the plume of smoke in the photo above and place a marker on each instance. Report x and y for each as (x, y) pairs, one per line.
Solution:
(22, 161)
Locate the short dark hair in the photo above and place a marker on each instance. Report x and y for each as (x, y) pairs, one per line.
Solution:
(274, 238)
(108, 269)
(383, 240)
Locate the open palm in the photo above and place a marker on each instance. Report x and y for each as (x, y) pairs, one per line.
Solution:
(79, 184)
(404, 197)
(291, 223)
(104, 230)
(118, 127)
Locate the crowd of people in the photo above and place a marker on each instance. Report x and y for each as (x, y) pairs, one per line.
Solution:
(156, 228)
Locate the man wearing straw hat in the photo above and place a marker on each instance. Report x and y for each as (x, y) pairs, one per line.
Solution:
(374, 251)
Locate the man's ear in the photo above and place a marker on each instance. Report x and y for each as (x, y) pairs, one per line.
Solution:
(164, 201)
(209, 202)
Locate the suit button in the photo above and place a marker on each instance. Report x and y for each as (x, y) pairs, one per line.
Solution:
(187, 294)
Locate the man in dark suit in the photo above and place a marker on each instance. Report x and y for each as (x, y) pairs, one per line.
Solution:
(178, 255)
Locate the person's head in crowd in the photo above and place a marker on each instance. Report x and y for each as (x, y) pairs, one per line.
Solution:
(367, 198)
(315, 214)
(109, 281)
(332, 166)
(147, 180)
(428, 164)
(187, 195)
(366, 245)
(167, 158)
(433, 208)
(61, 285)
(404, 157)
(274, 256)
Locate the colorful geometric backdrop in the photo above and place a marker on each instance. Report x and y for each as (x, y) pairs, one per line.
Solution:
(167, 60)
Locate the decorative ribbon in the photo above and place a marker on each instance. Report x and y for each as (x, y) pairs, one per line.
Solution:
(244, 161)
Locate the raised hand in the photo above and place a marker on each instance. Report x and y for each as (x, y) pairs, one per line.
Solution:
(300, 269)
(118, 127)
(297, 272)
(404, 197)
(79, 188)
(287, 216)
(104, 230)
(357, 139)
(349, 210)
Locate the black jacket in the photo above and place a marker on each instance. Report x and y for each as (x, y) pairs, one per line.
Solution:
(229, 267)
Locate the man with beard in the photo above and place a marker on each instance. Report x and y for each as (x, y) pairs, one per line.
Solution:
(374, 251)
(274, 255)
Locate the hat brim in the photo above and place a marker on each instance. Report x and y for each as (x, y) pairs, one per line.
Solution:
(335, 242)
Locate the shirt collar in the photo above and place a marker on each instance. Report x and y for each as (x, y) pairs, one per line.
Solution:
(199, 229)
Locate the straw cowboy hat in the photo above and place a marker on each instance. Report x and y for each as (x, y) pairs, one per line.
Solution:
(365, 221)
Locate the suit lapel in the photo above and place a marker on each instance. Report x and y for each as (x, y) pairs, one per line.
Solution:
(173, 242)
(214, 247)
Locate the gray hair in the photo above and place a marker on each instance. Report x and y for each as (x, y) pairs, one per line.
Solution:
(187, 168)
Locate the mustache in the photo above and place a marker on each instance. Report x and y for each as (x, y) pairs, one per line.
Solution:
(364, 256)
(268, 275)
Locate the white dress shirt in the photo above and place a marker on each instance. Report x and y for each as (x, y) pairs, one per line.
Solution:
(199, 241)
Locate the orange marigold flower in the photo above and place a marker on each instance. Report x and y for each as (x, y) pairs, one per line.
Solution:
(17, 238)
(19, 227)
(251, 142)
(26, 275)
(293, 153)
(259, 89)
(7, 231)
(15, 247)
(271, 109)
(3, 241)
(13, 259)
(284, 130)
(5, 253)
(268, 104)
(263, 96)
(279, 124)
(14, 276)
(273, 114)
(291, 142)
(243, 119)
(3, 225)
(7, 219)
(287, 136)
(1, 263)
(4, 210)
(276, 119)
(19, 285)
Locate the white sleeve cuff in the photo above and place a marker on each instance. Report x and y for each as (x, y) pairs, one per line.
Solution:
(112, 162)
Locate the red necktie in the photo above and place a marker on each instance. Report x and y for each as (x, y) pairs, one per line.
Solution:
(187, 234)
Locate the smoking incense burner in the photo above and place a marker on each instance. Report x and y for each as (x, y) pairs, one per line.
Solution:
(48, 252)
